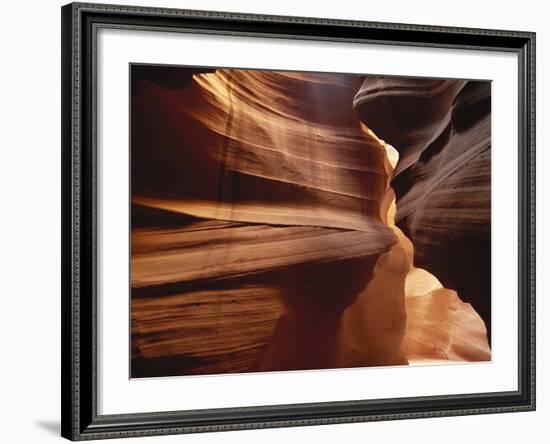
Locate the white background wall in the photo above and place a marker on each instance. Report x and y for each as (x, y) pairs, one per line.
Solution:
(30, 221)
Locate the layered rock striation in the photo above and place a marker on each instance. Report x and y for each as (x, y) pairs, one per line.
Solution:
(253, 180)
(263, 233)
(442, 130)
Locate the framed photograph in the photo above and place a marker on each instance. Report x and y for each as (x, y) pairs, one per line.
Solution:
(282, 221)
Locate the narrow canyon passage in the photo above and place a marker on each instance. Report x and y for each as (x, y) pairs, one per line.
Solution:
(440, 327)
(264, 232)
(442, 129)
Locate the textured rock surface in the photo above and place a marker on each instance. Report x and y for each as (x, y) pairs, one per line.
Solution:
(254, 180)
(263, 233)
(442, 130)
(441, 327)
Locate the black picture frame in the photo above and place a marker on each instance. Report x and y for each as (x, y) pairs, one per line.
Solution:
(79, 171)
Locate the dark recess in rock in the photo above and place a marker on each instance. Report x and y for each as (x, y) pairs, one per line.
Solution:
(442, 130)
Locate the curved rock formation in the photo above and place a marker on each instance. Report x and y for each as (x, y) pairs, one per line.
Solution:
(263, 233)
(442, 130)
(440, 327)
(278, 187)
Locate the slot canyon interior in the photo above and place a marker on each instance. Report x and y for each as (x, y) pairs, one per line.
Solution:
(296, 220)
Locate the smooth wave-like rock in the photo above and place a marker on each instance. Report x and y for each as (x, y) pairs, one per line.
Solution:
(258, 147)
(442, 130)
(441, 327)
(263, 233)
(277, 186)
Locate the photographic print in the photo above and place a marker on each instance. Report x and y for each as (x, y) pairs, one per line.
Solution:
(288, 220)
